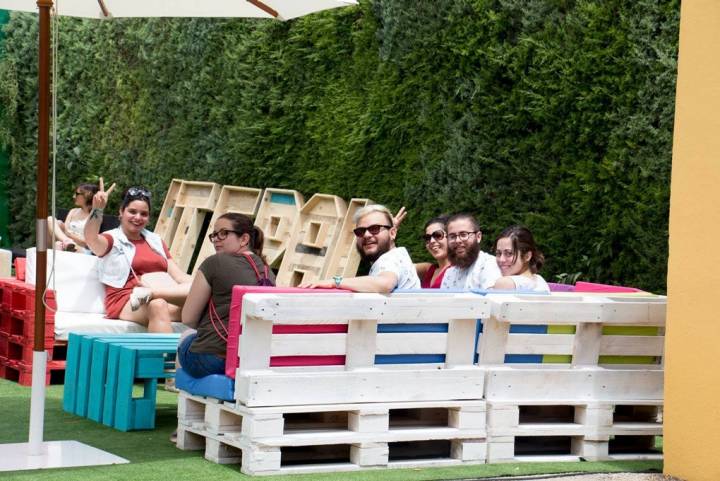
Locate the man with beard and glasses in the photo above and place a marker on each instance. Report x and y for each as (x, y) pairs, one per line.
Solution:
(471, 268)
(391, 267)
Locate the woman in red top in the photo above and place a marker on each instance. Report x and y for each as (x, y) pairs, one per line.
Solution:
(435, 237)
(129, 252)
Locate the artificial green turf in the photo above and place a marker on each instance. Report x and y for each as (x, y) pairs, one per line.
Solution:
(153, 457)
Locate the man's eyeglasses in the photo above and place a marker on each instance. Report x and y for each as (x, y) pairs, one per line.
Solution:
(138, 192)
(461, 236)
(438, 235)
(221, 234)
(372, 229)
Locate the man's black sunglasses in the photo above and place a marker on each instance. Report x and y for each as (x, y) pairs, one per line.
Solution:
(373, 229)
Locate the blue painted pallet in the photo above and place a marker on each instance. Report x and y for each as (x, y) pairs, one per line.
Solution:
(78, 365)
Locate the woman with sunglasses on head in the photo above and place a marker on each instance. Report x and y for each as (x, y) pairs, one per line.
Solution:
(69, 234)
(519, 260)
(238, 260)
(435, 237)
(129, 252)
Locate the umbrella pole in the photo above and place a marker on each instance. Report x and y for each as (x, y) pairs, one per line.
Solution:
(37, 399)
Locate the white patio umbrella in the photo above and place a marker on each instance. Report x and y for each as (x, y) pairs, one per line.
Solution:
(36, 454)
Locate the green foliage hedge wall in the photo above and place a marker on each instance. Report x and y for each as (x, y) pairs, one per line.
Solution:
(557, 114)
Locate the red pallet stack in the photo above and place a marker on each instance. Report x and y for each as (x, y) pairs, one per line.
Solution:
(17, 331)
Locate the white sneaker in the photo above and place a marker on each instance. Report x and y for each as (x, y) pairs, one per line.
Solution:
(139, 296)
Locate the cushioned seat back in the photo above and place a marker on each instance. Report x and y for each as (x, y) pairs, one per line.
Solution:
(75, 280)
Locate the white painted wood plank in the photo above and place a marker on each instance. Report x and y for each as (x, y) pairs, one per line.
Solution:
(493, 341)
(632, 345)
(560, 344)
(539, 429)
(267, 388)
(328, 437)
(587, 384)
(293, 308)
(334, 344)
(460, 349)
(361, 344)
(255, 344)
(586, 345)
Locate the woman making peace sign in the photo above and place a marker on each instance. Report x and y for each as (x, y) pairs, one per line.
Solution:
(128, 252)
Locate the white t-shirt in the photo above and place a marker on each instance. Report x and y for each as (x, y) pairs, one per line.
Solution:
(398, 262)
(530, 283)
(482, 274)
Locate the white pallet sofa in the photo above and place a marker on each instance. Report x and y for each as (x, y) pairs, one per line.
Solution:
(604, 403)
(79, 295)
(363, 415)
(357, 415)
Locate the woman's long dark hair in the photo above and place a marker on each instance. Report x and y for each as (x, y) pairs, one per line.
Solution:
(522, 243)
(242, 224)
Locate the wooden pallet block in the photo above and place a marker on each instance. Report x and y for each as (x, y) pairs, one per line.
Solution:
(278, 212)
(194, 203)
(313, 239)
(167, 223)
(240, 200)
(345, 258)
(274, 440)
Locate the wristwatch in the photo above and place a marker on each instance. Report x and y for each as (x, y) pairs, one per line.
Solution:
(338, 280)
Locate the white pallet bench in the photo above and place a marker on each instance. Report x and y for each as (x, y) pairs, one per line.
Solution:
(577, 406)
(364, 415)
(273, 440)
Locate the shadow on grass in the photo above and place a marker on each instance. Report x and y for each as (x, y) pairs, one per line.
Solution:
(136, 446)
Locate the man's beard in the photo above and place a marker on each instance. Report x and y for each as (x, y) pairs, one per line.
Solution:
(465, 260)
(382, 248)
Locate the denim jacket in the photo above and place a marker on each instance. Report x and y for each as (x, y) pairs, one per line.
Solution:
(114, 267)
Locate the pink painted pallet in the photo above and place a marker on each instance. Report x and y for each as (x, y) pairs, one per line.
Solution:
(235, 330)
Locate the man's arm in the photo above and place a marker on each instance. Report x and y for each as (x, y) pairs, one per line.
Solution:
(383, 283)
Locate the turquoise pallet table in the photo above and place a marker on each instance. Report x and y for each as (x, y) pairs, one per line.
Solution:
(94, 369)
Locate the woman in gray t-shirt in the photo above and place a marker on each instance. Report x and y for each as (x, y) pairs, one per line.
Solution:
(238, 261)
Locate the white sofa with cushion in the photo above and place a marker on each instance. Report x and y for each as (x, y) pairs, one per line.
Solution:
(79, 295)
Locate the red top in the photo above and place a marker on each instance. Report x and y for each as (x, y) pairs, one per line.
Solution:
(426, 280)
(145, 261)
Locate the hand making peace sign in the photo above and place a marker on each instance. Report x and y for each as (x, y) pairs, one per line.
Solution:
(100, 198)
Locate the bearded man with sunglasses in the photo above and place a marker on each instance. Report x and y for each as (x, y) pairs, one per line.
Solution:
(471, 268)
(391, 267)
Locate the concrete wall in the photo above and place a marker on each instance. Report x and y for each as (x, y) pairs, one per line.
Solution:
(692, 379)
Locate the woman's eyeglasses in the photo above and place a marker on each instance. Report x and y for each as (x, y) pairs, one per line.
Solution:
(372, 229)
(221, 234)
(77, 193)
(138, 192)
(437, 236)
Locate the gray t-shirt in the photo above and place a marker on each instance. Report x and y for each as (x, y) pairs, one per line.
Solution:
(222, 272)
(398, 262)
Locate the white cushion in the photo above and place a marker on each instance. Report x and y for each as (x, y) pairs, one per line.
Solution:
(82, 323)
(75, 281)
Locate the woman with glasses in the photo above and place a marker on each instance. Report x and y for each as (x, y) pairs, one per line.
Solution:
(519, 260)
(129, 252)
(435, 237)
(238, 260)
(69, 234)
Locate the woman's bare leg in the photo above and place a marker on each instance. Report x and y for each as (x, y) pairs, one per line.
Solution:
(155, 315)
(54, 227)
(172, 294)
